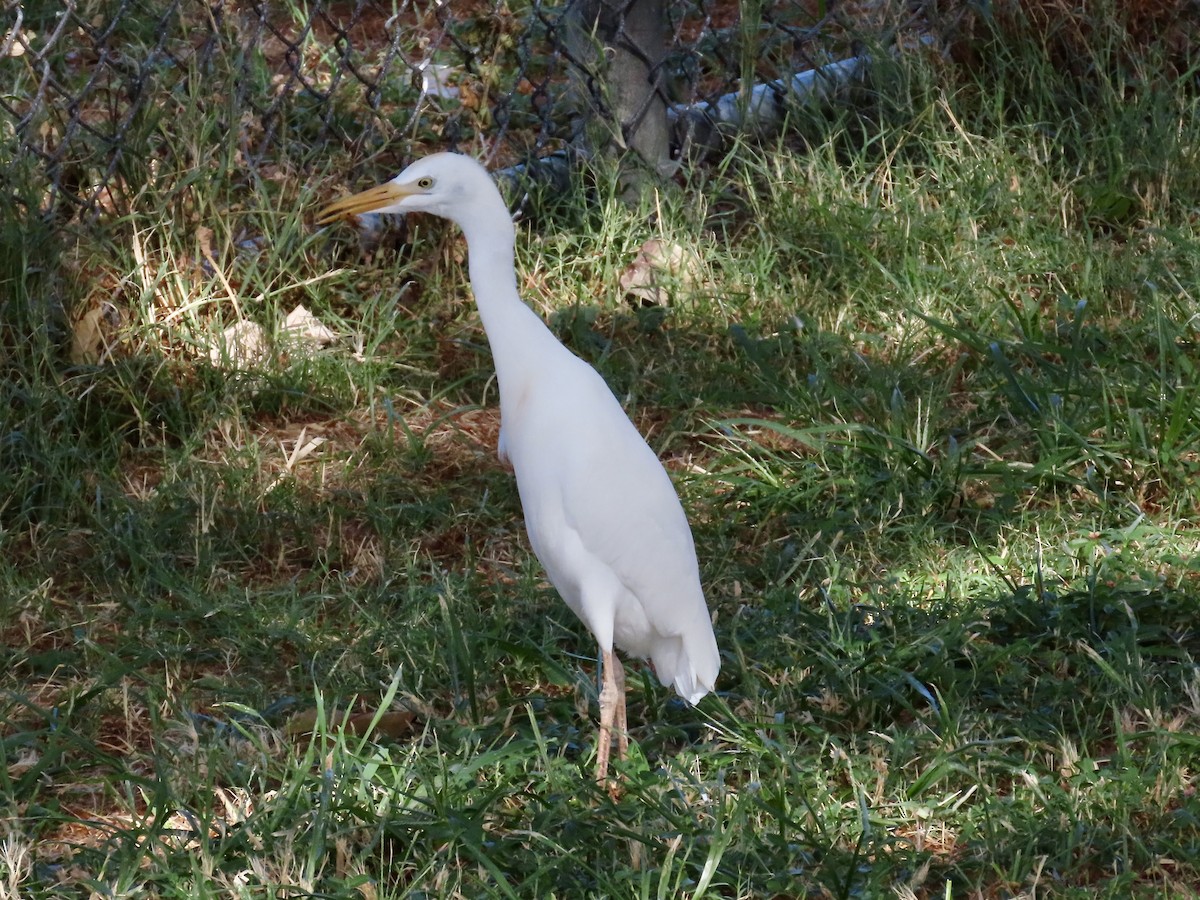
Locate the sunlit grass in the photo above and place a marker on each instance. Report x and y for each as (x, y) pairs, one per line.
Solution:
(930, 403)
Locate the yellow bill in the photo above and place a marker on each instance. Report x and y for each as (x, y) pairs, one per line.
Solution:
(368, 201)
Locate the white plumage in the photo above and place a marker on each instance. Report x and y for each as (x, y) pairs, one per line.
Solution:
(601, 512)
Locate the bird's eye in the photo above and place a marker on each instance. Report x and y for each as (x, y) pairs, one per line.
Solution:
(425, 183)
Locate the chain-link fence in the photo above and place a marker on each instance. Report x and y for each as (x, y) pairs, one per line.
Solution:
(86, 85)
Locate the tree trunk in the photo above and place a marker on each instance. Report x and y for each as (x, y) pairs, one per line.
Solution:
(617, 49)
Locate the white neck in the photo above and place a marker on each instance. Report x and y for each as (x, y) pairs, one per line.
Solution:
(516, 335)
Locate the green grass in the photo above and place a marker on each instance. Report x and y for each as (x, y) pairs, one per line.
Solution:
(933, 412)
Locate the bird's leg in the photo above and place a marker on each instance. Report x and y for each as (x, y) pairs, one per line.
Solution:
(620, 721)
(608, 696)
(612, 716)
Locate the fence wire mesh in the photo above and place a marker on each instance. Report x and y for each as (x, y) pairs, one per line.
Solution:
(88, 88)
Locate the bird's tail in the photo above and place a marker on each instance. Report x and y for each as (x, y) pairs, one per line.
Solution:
(691, 670)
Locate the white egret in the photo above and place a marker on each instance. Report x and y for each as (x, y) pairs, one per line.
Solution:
(600, 510)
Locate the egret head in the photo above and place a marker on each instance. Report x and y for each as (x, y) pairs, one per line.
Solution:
(449, 185)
